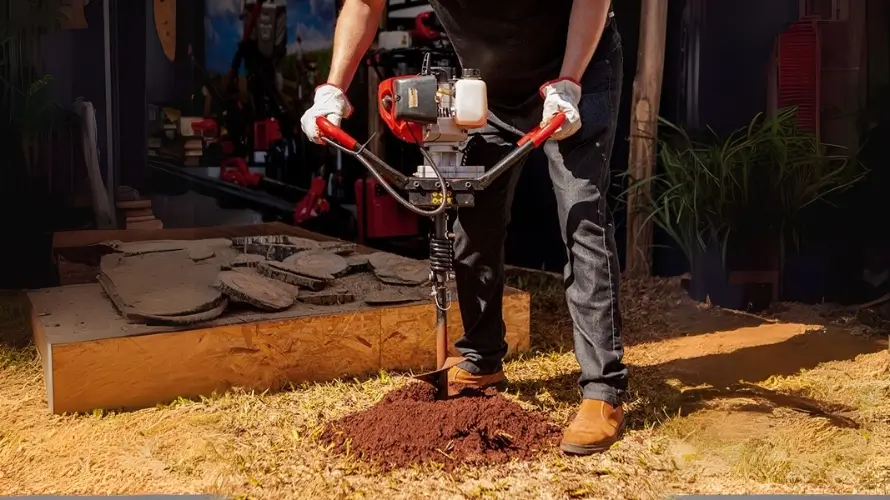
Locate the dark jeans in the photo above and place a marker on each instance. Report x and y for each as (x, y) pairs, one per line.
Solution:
(579, 169)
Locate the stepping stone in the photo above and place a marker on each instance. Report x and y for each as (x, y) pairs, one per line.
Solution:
(318, 263)
(290, 275)
(255, 290)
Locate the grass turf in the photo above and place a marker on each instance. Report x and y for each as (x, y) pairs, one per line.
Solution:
(691, 429)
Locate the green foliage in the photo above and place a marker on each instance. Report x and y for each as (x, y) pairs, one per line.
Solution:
(757, 181)
(26, 103)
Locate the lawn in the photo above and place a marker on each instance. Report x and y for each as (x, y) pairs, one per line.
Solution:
(795, 401)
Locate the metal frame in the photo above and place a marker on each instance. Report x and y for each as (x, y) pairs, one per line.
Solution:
(111, 118)
(839, 10)
(693, 20)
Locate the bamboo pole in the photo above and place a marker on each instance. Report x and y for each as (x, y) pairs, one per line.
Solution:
(644, 128)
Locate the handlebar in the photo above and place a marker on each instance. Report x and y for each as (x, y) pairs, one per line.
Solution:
(338, 138)
(539, 134)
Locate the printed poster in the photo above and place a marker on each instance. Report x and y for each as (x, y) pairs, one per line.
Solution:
(310, 35)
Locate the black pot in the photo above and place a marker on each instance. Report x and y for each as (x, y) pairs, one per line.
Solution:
(710, 279)
(710, 282)
(805, 278)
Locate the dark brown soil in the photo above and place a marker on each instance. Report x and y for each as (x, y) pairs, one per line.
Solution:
(410, 427)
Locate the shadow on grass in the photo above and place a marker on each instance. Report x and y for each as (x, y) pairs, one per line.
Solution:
(15, 328)
(680, 386)
(653, 309)
(16, 347)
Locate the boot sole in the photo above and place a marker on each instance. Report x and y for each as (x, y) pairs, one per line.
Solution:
(590, 449)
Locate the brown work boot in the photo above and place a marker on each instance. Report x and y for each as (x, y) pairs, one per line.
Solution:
(457, 375)
(596, 427)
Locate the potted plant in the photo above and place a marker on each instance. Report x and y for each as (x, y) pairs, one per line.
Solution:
(735, 202)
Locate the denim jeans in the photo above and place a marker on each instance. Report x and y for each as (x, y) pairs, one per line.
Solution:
(579, 170)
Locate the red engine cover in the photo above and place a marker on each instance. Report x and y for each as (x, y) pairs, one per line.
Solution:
(379, 214)
(405, 131)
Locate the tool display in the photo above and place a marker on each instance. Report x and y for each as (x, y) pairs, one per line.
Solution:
(262, 130)
(312, 201)
(436, 110)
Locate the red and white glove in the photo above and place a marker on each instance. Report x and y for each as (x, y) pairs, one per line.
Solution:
(331, 103)
(562, 95)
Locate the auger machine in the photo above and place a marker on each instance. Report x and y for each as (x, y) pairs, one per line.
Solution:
(436, 110)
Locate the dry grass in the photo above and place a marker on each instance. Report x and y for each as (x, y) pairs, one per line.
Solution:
(264, 446)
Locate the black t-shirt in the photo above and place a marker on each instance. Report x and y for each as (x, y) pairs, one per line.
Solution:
(517, 45)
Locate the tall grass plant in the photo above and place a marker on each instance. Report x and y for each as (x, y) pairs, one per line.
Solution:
(756, 182)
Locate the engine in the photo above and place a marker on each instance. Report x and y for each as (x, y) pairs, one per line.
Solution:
(436, 111)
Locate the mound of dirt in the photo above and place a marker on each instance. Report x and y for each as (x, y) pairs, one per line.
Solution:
(409, 427)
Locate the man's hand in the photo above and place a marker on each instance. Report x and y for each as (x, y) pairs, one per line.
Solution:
(586, 25)
(562, 95)
(331, 103)
(353, 35)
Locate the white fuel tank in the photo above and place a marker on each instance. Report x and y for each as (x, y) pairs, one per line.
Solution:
(470, 100)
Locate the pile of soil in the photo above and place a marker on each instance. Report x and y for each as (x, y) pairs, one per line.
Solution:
(410, 427)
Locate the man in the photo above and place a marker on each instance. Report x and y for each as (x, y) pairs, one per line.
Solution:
(538, 57)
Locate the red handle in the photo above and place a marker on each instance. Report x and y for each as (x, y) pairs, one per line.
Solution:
(327, 130)
(540, 134)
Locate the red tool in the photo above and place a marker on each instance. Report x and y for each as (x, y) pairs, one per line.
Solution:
(235, 170)
(206, 128)
(424, 28)
(313, 203)
(266, 132)
(379, 214)
(434, 111)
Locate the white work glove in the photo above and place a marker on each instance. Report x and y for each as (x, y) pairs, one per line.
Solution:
(562, 95)
(331, 103)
